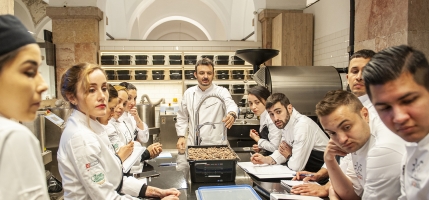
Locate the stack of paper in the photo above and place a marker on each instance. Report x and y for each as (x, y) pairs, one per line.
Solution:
(293, 183)
(267, 171)
(133, 158)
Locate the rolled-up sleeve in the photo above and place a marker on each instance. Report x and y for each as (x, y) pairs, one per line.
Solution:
(143, 135)
(275, 135)
(302, 146)
(229, 102)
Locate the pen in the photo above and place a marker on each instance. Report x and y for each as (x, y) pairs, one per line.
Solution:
(167, 164)
(305, 175)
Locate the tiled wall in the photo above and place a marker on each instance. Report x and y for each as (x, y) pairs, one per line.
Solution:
(331, 50)
(156, 91)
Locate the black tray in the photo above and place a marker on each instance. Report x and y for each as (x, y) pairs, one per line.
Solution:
(143, 57)
(124, 62)
(189, 72)
(222, 76)
(175, 62)
(140, 76)
(190, 61)
(222, 72)
(124, 76)
(238, 86)
(107, 57)
(189, 76)
(238, 76)
(238, 91)
(175, 57)
(222, 57)
(110, 74)
(158, 57)
(191, 57)
(158, 62)
(122, 72)
(237, 71)
(212, 171)
(124, 57)
(140, 72)
(158, 76)
(175, 71)
(157, 71)
(236, 58)
(237, 62)
(141, 61)
(221, 62)
(107, 62)
(175, 76)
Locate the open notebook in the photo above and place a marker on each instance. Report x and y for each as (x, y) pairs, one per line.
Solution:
(267, 171)
(133, 158)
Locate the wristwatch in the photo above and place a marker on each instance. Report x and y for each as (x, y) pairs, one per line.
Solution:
(233, 114)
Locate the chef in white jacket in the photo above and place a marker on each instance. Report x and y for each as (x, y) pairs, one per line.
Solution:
(210, 111)
(268, 137)
(130, 116)
(396, 80)
(88, 165)
(375, 164)
(21, 86)
(303, 142)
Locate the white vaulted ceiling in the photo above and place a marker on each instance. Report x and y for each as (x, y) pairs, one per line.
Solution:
(221, 20)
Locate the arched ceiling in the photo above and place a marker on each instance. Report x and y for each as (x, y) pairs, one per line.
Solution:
(176, 30)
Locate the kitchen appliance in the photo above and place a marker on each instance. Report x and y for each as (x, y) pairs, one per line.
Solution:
(146, 112)
(212, 171)
(167, 136)
(303, 85)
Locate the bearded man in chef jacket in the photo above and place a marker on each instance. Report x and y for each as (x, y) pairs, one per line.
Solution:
(210, 110)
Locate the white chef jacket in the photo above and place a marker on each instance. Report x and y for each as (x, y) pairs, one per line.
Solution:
(21, 167)
(415, 176)
(303, 135)
(87, 163)
(210, 111)
(130, 122)
(119, 133)
(376, 167)
(274, 134)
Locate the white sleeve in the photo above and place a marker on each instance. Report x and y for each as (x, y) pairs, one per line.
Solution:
(351, 174)
(21, 161)
(383, 173)
(88, 150)
(275, 135)
(302, 146)
(112, 133)
(229, 102)
(131, 186)
(143, 135)
(278, 157)
(182, 117)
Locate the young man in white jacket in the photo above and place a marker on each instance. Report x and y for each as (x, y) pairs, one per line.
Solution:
(303, 142)
(397, 83)
(210, 110)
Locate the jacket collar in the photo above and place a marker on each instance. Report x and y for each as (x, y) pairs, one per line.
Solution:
(293, 117)
(88, 122)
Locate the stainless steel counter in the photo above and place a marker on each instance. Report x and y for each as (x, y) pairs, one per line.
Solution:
(179, 176)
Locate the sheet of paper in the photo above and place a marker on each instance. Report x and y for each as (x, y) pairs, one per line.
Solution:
(133, 158)
(164, 155)
(267, 171)
(290, 196)
(293, 183)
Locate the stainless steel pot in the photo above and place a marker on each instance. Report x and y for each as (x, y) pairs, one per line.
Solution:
(146, 112)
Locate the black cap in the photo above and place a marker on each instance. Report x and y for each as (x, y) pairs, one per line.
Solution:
(13, 34)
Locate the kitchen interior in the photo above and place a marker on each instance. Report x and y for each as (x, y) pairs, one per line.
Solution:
(296, 47)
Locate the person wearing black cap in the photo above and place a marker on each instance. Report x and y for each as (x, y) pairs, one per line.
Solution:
(21, 86)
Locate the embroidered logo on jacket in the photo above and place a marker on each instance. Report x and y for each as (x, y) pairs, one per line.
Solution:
(98, 178)
(415, 171)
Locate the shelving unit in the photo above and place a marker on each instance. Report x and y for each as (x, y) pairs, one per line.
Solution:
(175, 60)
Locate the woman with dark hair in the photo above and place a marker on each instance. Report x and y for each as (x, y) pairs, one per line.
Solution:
(21, 167)
(269, 135)
(131, 117)
(87, 162)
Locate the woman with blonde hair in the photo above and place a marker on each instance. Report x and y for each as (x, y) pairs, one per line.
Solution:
(87, 162)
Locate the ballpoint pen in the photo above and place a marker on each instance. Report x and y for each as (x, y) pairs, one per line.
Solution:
(167, 164)
(305, 175)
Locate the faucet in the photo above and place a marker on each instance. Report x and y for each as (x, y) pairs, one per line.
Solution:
(197, 117)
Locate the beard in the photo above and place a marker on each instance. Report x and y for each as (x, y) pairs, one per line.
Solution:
(280, 124)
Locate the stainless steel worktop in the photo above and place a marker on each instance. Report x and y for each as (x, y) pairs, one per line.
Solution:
(179, 176)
